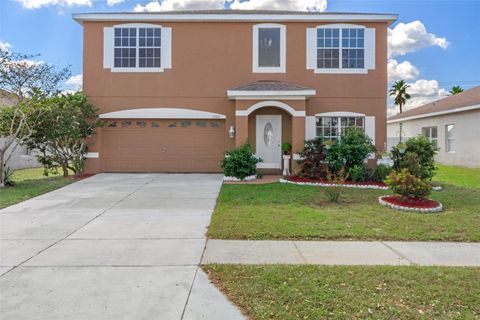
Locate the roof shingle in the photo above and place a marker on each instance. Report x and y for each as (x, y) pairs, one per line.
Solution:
(269, 85)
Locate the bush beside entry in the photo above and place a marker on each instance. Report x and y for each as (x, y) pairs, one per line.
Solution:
(240, 162)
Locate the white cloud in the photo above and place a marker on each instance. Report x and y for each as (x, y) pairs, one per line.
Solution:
(5, 46)
(410, 37)
(170, 5)
(35, 4)
(74, 83)
(401, 71)
(296, 5)
(114, 2)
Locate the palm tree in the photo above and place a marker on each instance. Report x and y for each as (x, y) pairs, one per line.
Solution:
(399, 93)
(455, 90)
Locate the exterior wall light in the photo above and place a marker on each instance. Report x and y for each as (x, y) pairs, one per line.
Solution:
(231, 132)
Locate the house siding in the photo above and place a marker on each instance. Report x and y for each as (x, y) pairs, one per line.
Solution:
(467, 131)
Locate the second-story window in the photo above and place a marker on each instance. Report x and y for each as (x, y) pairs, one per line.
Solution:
(269, 48)
(125, 53)
(149, 47)
(137, 47)
(340, 48)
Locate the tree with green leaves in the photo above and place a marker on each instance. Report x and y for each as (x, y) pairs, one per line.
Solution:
(455, 90)
(23, 80)
(399, 93)
(63, 125)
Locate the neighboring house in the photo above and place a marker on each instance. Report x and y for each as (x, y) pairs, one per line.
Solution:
(178, 89)
(22, 157)
(452, 123)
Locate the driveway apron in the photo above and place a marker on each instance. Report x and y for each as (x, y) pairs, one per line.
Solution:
(114, 246)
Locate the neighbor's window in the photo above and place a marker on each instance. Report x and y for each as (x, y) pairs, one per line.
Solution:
(450, 138)
(137, 47)
(340, 48)
(332, 128)
(269, 48)
(431, 133)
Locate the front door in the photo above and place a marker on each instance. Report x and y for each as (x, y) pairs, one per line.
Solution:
(269, 141)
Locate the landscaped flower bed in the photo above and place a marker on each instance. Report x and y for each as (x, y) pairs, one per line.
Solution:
(411, 204)
(325, 183)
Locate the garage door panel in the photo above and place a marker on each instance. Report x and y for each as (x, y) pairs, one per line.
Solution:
(158, 146)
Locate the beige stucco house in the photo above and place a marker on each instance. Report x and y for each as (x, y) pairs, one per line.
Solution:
(178, 89)
(452, 123)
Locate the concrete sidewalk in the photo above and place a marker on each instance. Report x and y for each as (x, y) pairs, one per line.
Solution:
(342, 253)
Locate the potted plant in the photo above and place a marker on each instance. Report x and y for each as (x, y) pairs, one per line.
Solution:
(286, 148)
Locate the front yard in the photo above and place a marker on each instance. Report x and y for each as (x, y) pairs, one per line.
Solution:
(30, 183)
(348, 292)
(282, 211)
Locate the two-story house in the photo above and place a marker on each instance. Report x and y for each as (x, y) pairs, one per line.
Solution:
(177, 89)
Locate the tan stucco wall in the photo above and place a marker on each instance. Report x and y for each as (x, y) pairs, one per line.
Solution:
(211, 57)
(467, 133)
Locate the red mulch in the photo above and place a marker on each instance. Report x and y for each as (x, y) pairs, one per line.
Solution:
(411, 202)
(362, 183)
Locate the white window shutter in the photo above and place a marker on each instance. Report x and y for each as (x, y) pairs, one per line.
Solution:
(166, 48)
(370, 127)
(108, 47)
(310, 127)
(311, 48)
(370, 48)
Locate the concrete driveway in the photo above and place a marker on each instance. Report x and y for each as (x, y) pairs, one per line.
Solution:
(114, 246)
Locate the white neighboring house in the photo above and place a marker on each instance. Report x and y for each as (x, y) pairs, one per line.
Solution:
(22, 157)
(452, 123)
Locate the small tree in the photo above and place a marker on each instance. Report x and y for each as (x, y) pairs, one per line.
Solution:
(63, 125)
(417, 155)
(312, 157)
(352, 150)
(21, 80)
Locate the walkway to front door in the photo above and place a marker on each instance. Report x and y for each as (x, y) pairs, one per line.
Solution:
(114, 246)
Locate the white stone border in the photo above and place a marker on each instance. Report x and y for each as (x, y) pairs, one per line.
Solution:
(346, 185)
(249, 178)
(438, 208)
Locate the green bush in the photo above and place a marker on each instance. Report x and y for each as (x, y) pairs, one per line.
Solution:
(417, 155)
(358, 173)
(240, 162)
(312, 157)
(381, 172)
(408, 185)
(352, 150)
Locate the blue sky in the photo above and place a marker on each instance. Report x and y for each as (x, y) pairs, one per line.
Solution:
(443, 46)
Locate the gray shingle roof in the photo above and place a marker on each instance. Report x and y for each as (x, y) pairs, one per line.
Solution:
(269, 85)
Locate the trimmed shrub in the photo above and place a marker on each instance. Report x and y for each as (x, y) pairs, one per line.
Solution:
(417, 155)
(358, 173)
(351, 150)
(408, 185)
(312, 157)
(381, 172)
(240, 162)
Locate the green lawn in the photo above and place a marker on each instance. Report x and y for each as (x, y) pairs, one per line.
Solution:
(350, 292)
(30, 183)
(460, 176)
(283, 211)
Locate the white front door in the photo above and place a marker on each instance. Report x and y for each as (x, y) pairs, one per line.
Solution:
(269, 141)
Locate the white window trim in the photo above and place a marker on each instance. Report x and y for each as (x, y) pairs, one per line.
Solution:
(369, 53)
(283, 49)
(430, 133)
(447, 139)
(138, 69)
